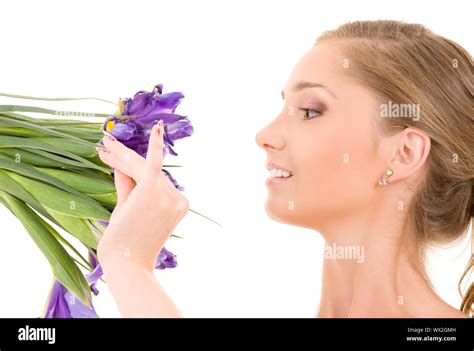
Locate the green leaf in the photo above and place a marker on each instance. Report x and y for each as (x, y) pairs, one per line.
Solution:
(31, 172)
(8, 185)
(19, 155)
(79, 228)
(51, 121)
(109, 200)
(57, 200)
(92, 135)
(93, 173)
(11, 187)
(34, 146)
(8, 129)
(80, 182)
(67, 161)
(66, 243)
(63, 266)
(69, 145)
(44, 130)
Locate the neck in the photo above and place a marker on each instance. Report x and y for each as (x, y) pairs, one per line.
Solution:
(371, 266)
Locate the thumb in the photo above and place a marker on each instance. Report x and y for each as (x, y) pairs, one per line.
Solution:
(124, 185)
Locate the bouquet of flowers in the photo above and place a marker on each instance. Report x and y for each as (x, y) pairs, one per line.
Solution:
(51, 175)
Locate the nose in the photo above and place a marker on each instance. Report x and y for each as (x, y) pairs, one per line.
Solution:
(271, 137)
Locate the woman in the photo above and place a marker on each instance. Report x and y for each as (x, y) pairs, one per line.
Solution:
(373, 149)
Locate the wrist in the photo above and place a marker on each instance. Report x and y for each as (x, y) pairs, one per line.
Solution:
(115, 259)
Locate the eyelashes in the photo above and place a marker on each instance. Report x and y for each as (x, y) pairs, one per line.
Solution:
(315, 108)
(309, 113)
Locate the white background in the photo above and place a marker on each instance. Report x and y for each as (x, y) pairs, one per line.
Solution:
(230, 59)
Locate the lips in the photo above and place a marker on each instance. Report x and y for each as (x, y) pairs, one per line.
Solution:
(270, 165)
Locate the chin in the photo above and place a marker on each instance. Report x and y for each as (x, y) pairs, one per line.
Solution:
(275, 209)
(280, 211)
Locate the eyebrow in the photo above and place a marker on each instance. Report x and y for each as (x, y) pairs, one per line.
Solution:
(304, 85)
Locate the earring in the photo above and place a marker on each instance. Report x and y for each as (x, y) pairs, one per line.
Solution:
(383, 180)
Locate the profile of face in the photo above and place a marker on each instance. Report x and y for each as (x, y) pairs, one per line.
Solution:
(324, 136)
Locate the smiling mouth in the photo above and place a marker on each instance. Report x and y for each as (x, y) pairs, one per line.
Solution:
(278, 174)
(277, 180)
(277, 171)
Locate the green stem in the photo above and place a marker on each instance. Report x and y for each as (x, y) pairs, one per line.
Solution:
(21, 108)
(54, 99)
(200, 214)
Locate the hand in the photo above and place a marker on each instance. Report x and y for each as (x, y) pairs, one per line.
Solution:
(148, 206)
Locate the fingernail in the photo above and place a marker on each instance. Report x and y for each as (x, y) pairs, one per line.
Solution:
(103, 149)
(110, 137)
(159, 127)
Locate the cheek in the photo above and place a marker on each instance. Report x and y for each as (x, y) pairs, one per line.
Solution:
(333, 166)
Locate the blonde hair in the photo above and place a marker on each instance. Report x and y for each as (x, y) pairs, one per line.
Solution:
(409, 64)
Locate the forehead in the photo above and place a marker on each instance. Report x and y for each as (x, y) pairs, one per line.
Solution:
(326, 64)
(322, 64)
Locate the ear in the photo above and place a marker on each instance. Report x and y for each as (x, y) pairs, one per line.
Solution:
(411, 149)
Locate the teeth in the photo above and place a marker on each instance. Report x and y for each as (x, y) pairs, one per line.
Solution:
(276, 172)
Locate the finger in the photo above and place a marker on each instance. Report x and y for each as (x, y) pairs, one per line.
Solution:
(118, 156)
(154, 157)
(124, 185)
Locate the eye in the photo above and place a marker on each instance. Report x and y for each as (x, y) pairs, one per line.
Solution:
(310, 114)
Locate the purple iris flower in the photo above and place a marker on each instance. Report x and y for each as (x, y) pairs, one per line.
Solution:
(63, 304)
(166, 259)
(95, 275)
(140, 113)
(138, 116)
(170, 177)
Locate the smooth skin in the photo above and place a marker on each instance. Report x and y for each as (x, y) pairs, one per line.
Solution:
(148, 209)
(327, 136)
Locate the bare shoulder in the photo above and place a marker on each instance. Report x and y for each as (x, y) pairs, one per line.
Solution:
(430, 304)
(451, 312)
(442, 309)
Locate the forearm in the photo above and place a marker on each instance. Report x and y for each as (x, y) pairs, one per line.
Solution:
(136, 290)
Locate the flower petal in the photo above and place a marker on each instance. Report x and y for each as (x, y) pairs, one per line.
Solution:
(124, 130)
(77, 308)
(57, 306)
(166, 259)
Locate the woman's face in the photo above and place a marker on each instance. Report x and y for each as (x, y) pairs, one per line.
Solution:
(324, 136)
